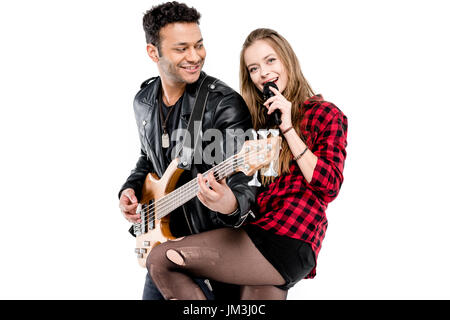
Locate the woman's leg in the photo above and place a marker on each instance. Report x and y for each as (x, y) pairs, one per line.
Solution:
(227, 255)
(263, 293)
(151, 292)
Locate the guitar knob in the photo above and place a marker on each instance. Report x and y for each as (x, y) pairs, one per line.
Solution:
(147, 243)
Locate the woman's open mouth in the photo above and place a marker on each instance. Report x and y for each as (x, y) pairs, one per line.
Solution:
(271, 80)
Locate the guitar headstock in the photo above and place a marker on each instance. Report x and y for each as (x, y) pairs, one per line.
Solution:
(256, 154)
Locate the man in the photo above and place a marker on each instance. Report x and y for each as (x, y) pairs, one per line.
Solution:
(164, 104)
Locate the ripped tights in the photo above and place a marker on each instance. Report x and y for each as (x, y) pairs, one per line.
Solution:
(226, 255)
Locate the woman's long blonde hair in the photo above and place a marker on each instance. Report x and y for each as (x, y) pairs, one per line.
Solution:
(297, 90)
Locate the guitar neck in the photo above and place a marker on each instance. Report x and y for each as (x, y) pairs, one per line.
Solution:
(188, 191)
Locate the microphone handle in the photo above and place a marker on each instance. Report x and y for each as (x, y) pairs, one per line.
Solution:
(277, 117)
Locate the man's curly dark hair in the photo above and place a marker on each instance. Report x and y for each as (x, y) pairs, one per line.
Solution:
(159, 16)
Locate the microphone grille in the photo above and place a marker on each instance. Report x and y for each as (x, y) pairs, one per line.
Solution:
(267, 93)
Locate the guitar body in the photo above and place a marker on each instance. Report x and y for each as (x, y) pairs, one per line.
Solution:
(158, 229)
(160, 198)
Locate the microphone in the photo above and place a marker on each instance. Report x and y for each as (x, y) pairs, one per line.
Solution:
(275, 117)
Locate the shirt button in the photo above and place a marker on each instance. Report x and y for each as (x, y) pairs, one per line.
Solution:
(144, 123)
(212, 87)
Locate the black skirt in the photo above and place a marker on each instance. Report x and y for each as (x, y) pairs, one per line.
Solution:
(293, 258)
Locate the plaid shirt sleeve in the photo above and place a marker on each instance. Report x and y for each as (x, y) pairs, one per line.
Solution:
(331, 141)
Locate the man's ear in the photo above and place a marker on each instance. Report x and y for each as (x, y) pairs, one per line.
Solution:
(152, 52)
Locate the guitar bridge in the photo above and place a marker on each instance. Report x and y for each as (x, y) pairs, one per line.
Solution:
(147, 215)
(138, 227)
(137, 231)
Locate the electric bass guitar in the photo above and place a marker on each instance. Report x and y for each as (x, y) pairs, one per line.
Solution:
(160, 198)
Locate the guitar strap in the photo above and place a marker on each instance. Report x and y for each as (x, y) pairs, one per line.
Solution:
(186, 154)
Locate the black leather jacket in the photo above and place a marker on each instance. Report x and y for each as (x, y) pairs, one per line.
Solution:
(225, 109)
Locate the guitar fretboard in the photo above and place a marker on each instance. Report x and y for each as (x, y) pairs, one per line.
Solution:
(183, 194)
(255, 155)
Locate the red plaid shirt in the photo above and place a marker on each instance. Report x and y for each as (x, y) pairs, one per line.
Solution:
(291, 206)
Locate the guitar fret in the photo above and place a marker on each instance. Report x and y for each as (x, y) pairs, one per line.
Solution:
(183, 194)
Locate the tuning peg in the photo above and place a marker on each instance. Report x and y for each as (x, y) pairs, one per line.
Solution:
(263, 133)
(254, 182)
(274, 132)
(270, 172)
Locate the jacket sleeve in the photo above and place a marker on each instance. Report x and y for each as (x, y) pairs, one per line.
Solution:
(137, 176)
(328, 174)
(232, 115)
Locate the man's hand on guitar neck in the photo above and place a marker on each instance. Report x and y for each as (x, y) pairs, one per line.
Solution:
(128, 204)
(219, 197)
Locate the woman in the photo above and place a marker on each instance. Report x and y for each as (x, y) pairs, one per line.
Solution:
(271, 254)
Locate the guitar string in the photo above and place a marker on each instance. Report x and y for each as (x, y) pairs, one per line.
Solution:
(191, 186)
(220, 169)
(158, 216)
(164, 208)
(182, 195)
(188, 188)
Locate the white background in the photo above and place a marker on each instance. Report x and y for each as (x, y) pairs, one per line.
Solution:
(68, 74)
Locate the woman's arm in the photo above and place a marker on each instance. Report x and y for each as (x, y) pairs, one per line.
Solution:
(330, 151)
(308, 161)
(322, 167)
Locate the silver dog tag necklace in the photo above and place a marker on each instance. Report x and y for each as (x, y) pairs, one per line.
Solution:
(165, 139)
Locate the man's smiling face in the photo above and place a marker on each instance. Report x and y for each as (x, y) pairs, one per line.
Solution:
(182, 54)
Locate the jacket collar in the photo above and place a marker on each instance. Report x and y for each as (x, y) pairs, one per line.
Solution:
(188, 95)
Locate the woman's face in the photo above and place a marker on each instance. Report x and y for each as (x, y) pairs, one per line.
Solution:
(263, 65)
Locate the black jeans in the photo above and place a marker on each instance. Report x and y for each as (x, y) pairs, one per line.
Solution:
(151, 292)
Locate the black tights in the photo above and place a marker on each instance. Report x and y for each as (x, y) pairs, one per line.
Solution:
(226, 255)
